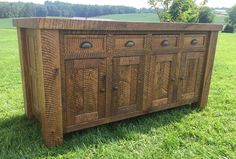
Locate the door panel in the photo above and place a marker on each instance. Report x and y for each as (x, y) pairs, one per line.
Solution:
(126, 83)
(85, 90)
(162, 79)
(191, 76)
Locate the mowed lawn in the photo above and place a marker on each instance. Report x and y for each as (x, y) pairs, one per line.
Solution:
(144, 17)
(149, 17)
(184, 132)
(5, 23)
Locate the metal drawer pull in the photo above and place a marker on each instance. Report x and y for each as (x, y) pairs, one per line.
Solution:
(194, 42)
(86, 45)
(165, 43)
(115, 88)
(129, 44)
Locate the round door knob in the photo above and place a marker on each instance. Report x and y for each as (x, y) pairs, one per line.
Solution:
(194, 42)
(102, 90)
(172, 79)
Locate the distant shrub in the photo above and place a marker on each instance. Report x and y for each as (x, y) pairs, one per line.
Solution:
(206, 15)
(229, 28)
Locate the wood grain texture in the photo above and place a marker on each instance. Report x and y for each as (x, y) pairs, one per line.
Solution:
(125, 84)
(24, 61)
(69, 88)
(162, 78)
(85, 90)
(191, 75)
(73, 44)
(35, 71)
(73, 24)
(120, 42)
(160, 42)
(200, 41)
(208, 68)
(52, 127)
(124, 116)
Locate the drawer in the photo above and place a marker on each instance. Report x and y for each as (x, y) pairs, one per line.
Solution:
(84, 44)
(129, 42)
(165, 41)
(194, 41)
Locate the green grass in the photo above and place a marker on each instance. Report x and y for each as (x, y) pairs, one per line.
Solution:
(149, 17)
(220, 19)
(5, 23)
(144, 17)
(183, 132)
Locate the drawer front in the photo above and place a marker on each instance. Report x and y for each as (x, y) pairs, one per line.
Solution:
(84, 44)
(129, 42)
(194, 41)
(165, 42)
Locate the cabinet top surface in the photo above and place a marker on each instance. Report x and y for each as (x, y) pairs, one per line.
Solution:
(91, 24)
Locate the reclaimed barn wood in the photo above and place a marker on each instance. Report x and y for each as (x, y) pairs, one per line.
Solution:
(78, 74)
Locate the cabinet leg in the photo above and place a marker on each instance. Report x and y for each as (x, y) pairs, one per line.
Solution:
(51, 136)
(28, 113)
(199, 104)
(51, 108)
(202, 104)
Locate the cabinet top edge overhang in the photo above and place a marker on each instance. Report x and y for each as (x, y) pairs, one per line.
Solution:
(92, 24)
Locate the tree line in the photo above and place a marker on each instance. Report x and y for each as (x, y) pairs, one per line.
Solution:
(20, 9)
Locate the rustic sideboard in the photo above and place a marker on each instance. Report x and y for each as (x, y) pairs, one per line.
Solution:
(82, 73)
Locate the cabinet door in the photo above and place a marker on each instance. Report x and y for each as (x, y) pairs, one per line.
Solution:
(162, 79)
(85, 90)
(126, 84)
(191, 75)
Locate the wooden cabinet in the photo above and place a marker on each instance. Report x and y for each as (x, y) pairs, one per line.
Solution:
(78, 74)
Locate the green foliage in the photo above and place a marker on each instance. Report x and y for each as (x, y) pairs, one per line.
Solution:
(229, 28)
(206, 15)
(27, 10)
(184, 11)
(182, 133)
(232, 15)
(41, 11)
(161, 7)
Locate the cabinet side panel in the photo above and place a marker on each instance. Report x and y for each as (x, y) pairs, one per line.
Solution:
(208, 69)
(52, 112)
(24, 61)
(35, 71)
